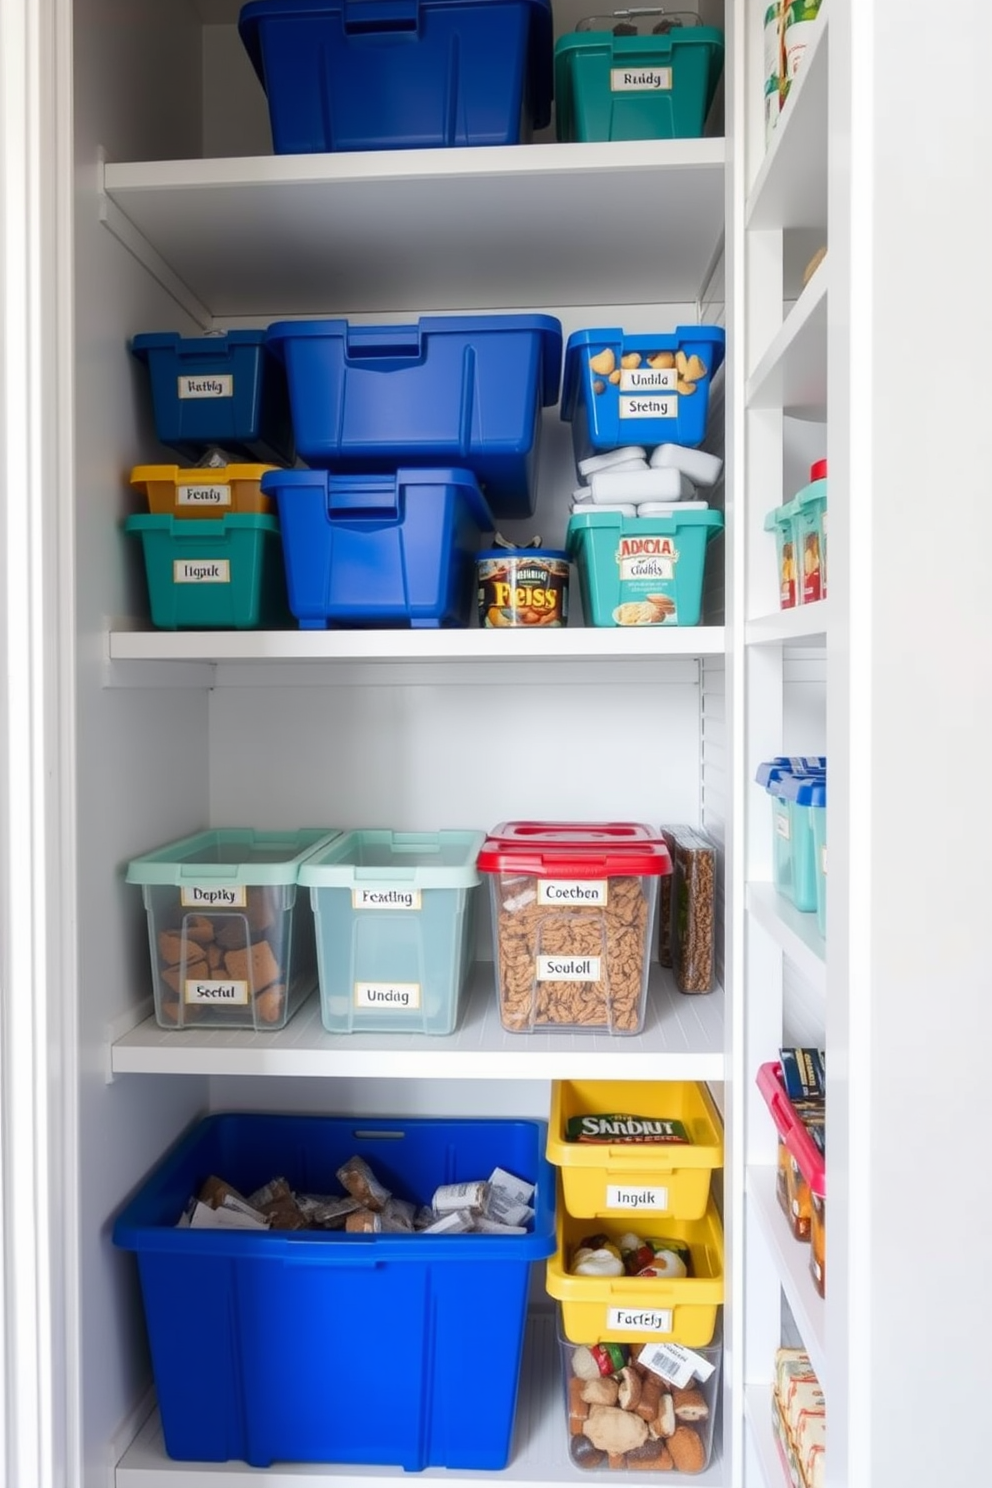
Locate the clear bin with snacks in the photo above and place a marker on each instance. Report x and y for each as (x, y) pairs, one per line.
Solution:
(573, 907)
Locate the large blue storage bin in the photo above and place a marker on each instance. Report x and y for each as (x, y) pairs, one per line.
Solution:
(227, 390)
(315, 1346)
(395, 74)
(379, 549)
(452, 390)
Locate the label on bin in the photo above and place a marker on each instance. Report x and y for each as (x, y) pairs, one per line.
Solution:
(203, 496)
(231, 994)
(386, 899)
(640, 79)
(782, 823)
(648, 379)
(201, 570)
(381, 996)
(568, 969)
(565, 891)
(619, 1196)
(675, 1364)
(221, 385)
(648, 406)
(213, 896)
(639, 1319)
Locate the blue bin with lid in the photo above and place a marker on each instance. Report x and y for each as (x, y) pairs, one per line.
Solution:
(818, 818)
(323, 1346)
(620, 389)
(227, 390)
(792, 783)
(447, 390)
(401, 74)
(380, 550)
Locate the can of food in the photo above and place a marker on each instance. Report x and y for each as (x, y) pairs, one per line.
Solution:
(522, 587)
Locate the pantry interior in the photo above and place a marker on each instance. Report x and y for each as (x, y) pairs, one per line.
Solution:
(162, 207)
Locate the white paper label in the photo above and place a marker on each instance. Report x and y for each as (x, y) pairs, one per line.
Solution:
(619, 1196)
(782, 824)
(568, 893)
(229, 994)
(568, 969)
(203, 496)
(639, 1319)
(213, 896)
(675, 1364)
(640, 79)
(383, 996)
(384, 898)
(646, 406)
(201, 571)
(218, 385)
(648, 379)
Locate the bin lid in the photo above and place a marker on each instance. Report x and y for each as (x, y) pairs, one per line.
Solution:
(206, 346)
(713, 337)
(193, 475)
(804, 790)
(387, 15)
(578, 849)
(231, 855)
(203, 528)
(419, 860)
(806, 1149)
(770, 772)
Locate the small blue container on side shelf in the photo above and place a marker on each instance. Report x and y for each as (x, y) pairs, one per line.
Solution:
(796, 785)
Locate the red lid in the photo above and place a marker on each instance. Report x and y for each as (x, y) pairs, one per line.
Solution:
(818, 471)
(790, 1128)
(576, 849)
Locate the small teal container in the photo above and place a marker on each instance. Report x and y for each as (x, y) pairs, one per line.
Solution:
(257, 1337)
(213, 575)
(793, 784)
(809, 525)
(818, 815)
(780, 521)
(644, 406)
(637, 571)
(611, 87)
(227, 390)
(395, 919)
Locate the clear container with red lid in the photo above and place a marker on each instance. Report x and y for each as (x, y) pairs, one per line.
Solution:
(573, 909)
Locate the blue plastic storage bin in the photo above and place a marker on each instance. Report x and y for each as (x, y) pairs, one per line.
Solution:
(818, 815)
(222, 574)
(463, 391)
(380, 550)
(394, 913)
(792, 784)
(227, 390)
(394, 74)
(646, 404)
(314, 1346)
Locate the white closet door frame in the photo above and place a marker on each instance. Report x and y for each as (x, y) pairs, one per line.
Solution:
(37, 850)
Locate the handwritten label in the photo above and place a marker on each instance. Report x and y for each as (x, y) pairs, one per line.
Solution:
(619, 1196)
(212, 896)
(648, 379)
(566, 891)
(639, 1319)
(568, 969)
(203, 496)
(640, 79)
(231, 994)
(201, 571)
(384, 898)
(384, 996)
(647, 407)
(219, 385)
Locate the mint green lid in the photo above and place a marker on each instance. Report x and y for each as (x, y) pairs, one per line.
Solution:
(231, 855)
(420, 860)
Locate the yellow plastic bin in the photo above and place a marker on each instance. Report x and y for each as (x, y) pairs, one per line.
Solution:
(202, 490)
(634, 1176)
(617, 1309)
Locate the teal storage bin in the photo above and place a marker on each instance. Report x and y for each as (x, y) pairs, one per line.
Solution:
(792, 785)
(818, 816)
(231, 938)
(213, 575)
(610, 87)
(809, 525)
(641, 570)
(394, 913)
(780, 521)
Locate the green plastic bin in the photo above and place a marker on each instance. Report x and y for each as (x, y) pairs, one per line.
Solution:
(227, 574)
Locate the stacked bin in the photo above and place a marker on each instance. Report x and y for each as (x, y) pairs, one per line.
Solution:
(638, 1270)
(799, 527)
(638, 406)
(797, 786)
(212, 549)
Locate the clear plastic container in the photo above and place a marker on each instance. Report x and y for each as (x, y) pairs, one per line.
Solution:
(670, 1403)
(573, 909)
(231, 939)
(693, 908)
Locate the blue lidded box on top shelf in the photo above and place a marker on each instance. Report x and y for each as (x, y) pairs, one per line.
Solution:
(380, 550)
(256, 1336)
(227, 390)
(401, 74)
(459, 391)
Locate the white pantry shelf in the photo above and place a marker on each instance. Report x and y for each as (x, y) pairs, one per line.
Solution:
(802, 625)
(792, 374)
(539, 1455)
(790, 189)
(683, 1039)
(758, 1419)
(491, 228)
(796, 932)
(791, 1259)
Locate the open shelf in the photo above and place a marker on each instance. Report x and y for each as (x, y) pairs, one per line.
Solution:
(790, 189)
(758, 1418)
(796, 932)
(791, 1258)
(683, 1039)
(491, 228)
(804, 625)
(539, 1454)
(792, 374)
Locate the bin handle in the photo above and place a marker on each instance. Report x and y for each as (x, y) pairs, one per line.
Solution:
(348, 496)
(376, 17)
(383, 343)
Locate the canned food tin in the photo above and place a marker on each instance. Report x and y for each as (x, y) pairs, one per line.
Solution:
(522, 587)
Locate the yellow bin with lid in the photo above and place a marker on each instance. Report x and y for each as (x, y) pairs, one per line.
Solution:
(662, 1179)
(203, 490)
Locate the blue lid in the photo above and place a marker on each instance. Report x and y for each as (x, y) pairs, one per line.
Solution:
(804, 790)
(148, 341)
(397, 15)
(683, 336)
(770, 772)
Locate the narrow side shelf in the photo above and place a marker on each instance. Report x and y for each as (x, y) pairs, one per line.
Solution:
(792, 374)
(757, 1415)
(794, 931)
(540, 1453)
(803, 625)
(790, 189)
(791, 1258)
(683, 1039)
